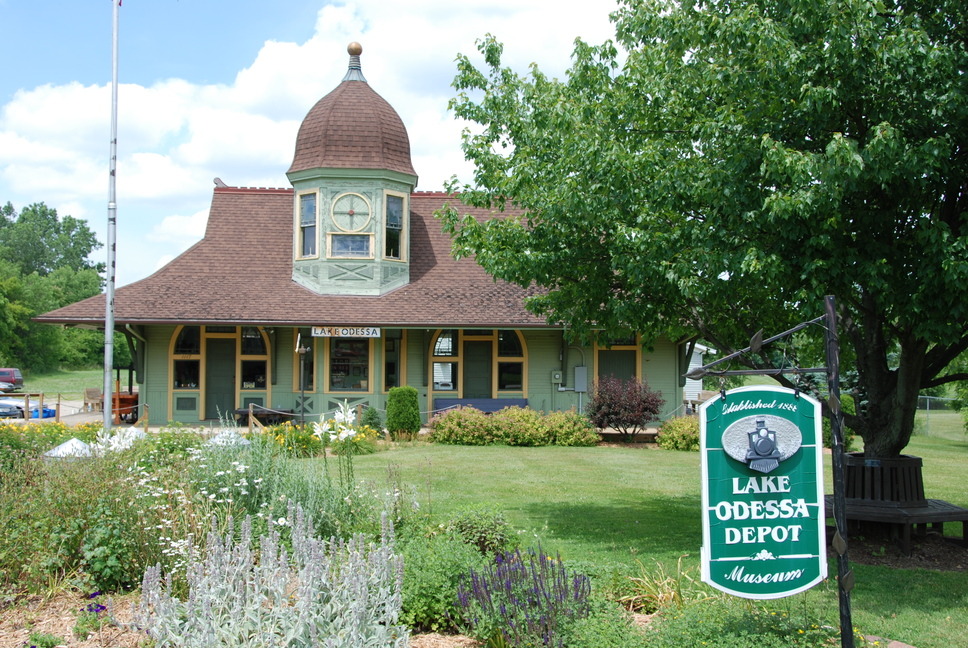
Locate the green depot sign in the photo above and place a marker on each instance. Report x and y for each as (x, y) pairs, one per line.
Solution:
(762, 493)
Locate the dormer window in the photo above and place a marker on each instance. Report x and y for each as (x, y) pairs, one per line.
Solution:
(307, 225)
(393, 226)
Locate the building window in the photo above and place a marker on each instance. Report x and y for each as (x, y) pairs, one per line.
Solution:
(486, 361)
(619, 358)
(186, 374)
(349, 364)
(307, 225)
(187, 355)
(392, 355)
(350, 245)
(510, 361)
(393, 231)
(254, 360)
(446, 365)
(189, 341)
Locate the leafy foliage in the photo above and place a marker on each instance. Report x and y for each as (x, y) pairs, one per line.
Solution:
(483, 528)
(625, 405)
(735, 164)
(679, 433)
(433, 567)
(726, 622)
(849, 408)
(514, 426)
(44, 265)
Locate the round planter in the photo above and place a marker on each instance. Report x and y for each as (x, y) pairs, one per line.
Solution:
(890, 481)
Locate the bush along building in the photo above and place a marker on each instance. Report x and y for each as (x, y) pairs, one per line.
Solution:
(341, 287)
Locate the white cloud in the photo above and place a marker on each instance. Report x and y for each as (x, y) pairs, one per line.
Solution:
(175, 136)
(180, 230)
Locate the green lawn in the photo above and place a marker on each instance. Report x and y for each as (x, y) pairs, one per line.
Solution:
(69, 384)
(617, 506)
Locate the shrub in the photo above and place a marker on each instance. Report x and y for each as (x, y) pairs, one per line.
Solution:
(849, 407)
(371, 419)
(624, 405)
(113, 555)
(523, 599)
(432, 570)
(516, 426)
(403, 411)
(520, 426)
(483, 528)
(679, 433)
(571, 429)
(348, 594)
(463, 426)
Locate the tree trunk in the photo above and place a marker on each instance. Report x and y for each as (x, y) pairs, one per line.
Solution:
(886, 420)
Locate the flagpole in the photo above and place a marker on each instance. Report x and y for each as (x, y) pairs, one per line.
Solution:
(112, 234)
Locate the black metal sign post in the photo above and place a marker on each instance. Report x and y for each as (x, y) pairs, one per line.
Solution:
(845, 576)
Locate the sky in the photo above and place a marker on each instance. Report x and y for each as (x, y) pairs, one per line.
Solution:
(218, 88)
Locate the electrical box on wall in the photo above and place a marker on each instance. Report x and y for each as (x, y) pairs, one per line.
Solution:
(556, 377)
(581, 379)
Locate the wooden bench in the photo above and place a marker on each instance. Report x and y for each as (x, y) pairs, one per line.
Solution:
(487, 405)
(906, 517)
(264, 415)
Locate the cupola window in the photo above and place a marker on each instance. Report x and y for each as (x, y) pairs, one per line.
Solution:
(393, 231)
(307, 225)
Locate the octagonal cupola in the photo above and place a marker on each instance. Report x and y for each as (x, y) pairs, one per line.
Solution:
(352, 177)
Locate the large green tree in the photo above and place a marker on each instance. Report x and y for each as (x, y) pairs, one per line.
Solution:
(45, 264)
(726, 165)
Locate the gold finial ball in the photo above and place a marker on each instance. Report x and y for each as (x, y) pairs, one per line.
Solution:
(354, 49)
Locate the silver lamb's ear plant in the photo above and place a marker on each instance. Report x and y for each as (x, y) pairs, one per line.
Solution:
(337, 594)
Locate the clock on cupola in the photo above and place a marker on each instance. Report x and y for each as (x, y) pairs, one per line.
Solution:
(352, 178)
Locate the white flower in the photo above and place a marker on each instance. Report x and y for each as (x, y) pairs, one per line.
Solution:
(281, 522)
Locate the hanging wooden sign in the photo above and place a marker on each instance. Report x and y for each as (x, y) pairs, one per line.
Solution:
(762, 492)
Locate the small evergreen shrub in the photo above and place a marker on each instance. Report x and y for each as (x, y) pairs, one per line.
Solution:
(624, 405)
(483, 528)
(679, 433)
(371, 419)
(523, 599)
(403, 411)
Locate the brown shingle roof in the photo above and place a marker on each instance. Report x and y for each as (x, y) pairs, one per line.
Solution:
(241, 272)
(353, 128)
